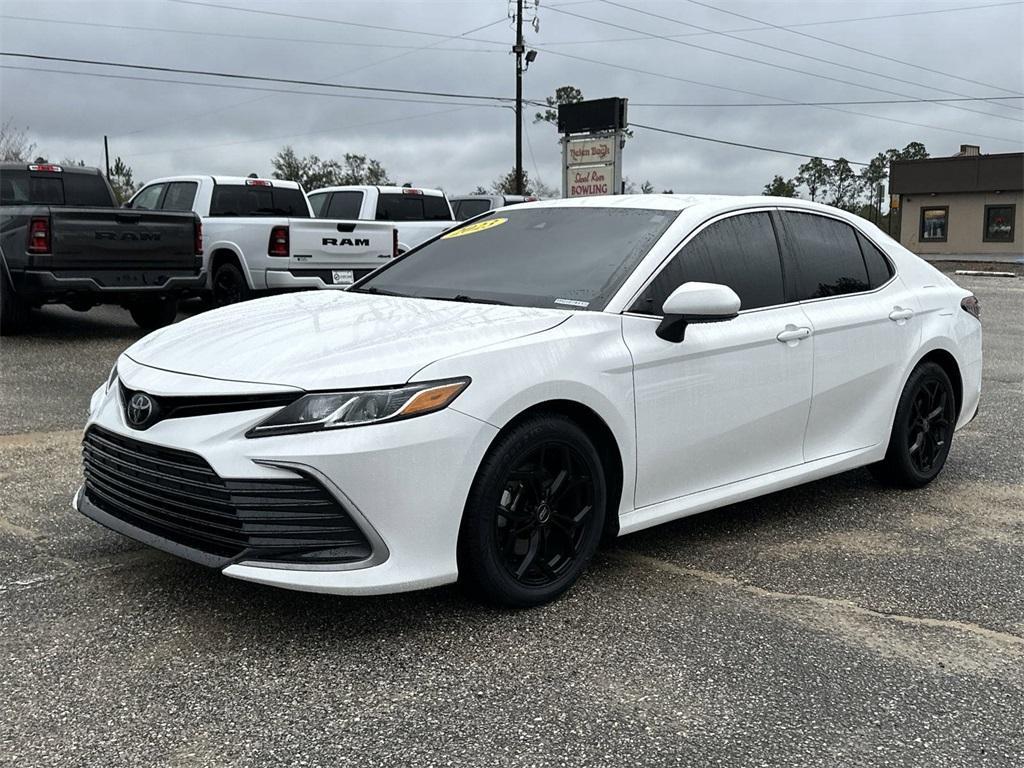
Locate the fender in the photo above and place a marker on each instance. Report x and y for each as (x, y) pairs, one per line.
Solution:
(225, 245)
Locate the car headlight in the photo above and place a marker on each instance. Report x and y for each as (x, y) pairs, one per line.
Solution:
(334, 410)
(111, 378)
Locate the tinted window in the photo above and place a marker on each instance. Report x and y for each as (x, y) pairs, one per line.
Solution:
(401, 206)
(740, 252)
(257, 200)
(345, 205)
(180, 195)
(317, 202)
(18, 187)
(149, 198)
(467, 209)
(570, 258)
(87, 189)
(827, 257)
(879, 268)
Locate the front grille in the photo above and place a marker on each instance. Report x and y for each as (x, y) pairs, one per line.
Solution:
(177, 496)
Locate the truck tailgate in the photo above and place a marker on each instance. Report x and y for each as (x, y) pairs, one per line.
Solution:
(129, 247)
(338, 252)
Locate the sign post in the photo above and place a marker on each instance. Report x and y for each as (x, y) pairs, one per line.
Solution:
(593, 135)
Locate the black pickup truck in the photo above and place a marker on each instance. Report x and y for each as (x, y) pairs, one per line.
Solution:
(63, 240)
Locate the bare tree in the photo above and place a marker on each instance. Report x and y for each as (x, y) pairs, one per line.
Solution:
(14, 143)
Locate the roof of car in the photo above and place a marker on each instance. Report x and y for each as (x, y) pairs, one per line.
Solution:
(17, 166)
(282, 183)
(679, 202)
(386, 190)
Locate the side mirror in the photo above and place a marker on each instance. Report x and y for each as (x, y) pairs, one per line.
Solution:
(126, 204)
(696, 303)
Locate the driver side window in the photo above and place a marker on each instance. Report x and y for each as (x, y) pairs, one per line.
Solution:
(739, 251)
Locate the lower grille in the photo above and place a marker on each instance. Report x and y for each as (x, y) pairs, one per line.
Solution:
(177, 496)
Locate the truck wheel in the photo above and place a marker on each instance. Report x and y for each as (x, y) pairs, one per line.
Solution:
(229, 286)
(14, 310)
(155, 313)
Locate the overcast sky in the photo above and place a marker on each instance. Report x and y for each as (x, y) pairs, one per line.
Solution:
(163, 128)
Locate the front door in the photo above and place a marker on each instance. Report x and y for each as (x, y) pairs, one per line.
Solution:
(731, 400)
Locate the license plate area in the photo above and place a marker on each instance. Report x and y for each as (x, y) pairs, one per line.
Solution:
(342, 277)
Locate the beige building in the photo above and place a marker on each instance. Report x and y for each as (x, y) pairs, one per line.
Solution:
(969, 204)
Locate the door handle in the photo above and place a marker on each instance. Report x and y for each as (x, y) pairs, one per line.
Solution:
(792, 333)
(899, 314)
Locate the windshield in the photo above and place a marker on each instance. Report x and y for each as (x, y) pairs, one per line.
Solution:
(572, 258)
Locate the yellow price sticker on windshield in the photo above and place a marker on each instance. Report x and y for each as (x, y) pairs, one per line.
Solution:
(472, 229)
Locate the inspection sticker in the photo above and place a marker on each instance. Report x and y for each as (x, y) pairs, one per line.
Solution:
(472, 229)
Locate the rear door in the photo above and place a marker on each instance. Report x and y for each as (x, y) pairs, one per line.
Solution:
(730, 401)
(864, 330)
(338, 252)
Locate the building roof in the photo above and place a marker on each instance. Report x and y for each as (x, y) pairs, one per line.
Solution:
(967, 173)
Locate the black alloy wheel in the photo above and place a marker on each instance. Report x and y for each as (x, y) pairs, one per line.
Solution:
(922, 431)
(543, 514)
(229, 286)
(535, 513)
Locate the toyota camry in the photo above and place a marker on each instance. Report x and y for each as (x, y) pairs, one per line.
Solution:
(491, 405)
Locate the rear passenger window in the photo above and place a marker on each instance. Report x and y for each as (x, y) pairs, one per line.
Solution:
(827, 257)
(740, 252)
(344, 205)
(317, 203)
(180, 195)
(879, 268)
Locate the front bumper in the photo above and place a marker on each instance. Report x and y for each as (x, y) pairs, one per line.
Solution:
(406, 484)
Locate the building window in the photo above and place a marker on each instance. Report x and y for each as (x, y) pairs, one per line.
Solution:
(999, 223)
(934, 224)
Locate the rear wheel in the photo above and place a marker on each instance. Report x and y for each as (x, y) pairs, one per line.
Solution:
(151, 314)
(535, 514)
(922, 431)
(229, 286)
(14, 310)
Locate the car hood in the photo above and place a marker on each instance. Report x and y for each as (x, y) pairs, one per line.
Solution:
(319, 340)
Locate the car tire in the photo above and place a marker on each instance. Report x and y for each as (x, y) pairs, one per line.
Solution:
(922, 431)
(535, 513)
(154, 313)
(14, 310)
(229, 285)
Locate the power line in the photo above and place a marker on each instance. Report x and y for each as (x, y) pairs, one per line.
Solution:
(855, 49)
(801, 24)
(739, 144)
(236, 36)
(739, 56)
(259, 78)
(820, 103)
(666, 76)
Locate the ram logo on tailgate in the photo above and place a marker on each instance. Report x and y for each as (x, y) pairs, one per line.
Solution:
(142, 236)
(347, 241)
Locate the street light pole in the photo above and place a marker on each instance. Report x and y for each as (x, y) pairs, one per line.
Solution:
(519, 49)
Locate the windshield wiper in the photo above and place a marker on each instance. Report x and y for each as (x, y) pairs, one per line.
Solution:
(378, 291)
(468, 299)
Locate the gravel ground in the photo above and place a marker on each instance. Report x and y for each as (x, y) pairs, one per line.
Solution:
(834, 624)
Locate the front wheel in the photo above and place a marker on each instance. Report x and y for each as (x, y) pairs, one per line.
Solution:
(535, 513)
(151, 314)
(922, 431)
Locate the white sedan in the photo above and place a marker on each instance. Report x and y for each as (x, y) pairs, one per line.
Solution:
(489, 406)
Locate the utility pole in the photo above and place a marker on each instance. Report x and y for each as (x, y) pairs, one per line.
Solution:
(106, 156)
(519, 49)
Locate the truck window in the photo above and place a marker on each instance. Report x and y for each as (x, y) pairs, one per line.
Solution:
(316, 202)
(88, 190)
(251, 200)
(149, 198)
(180, 196)
(467, 209)
(400, 206)
(345, 205)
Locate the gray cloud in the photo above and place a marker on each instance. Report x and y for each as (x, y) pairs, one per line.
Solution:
(166, 128)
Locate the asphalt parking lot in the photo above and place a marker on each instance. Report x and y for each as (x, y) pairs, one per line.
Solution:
(835, 624)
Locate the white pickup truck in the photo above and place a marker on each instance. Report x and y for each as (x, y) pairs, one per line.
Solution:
(419, 214)
(260, 235)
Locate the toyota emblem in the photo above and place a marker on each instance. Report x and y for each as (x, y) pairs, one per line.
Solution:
(140, 410)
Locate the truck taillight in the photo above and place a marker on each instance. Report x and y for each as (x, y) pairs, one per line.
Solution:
(197, 229)
(39, 235)
(258, 183)
(278, 242)
(394, 243)
(411, 191)
(46, 168)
